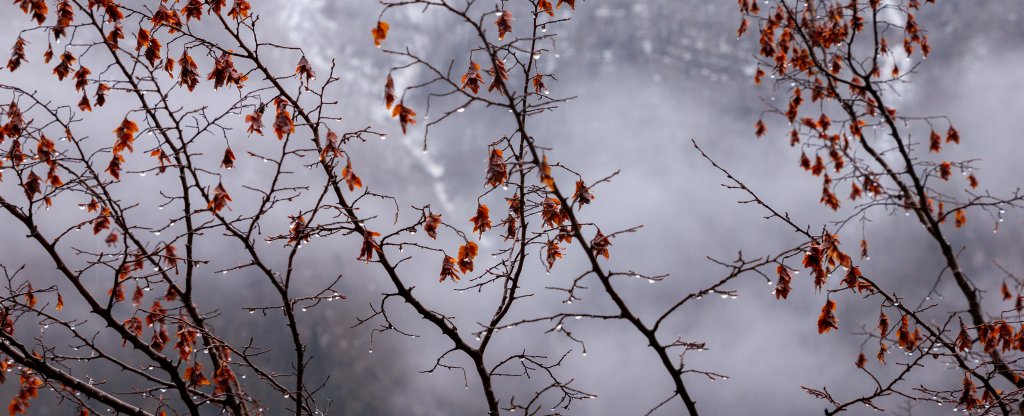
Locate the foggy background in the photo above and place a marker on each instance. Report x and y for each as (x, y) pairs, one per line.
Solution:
(650, 76)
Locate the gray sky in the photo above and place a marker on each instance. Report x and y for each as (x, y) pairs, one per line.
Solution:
(650, 76)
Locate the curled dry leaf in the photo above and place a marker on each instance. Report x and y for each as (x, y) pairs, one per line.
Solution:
(430, 225)
(546, 7)
(504, 24)
(553, 252)
(350, 177)
(228, 161)
(389, 92)
(467, 252)
(380, 32)
(283, 124)
(582, 196)
(219, 199)
(497, 172)
(538, 84)
(188, 75)
(783, 287)
(482, 220)
(369, 246)
(552, 213)
(963, 340)
(225, 73)
(304, 69)
(255, 121)
(406, 115)
(472, 78)
(827, 319)
(600, 244)
(17, 55)
(448, 269)
(240, 9)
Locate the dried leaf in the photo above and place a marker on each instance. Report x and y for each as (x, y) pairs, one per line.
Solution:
(504, 24)
(482, 220)
(380, 32)
(827, 319)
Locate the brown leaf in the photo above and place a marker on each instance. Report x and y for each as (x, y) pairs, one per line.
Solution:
(952, 135)
(283, 124)
(945, 170)
(225, 73)
(907, 340)
(304, 69)
(961, 218)
(405, 115)
(545, 6)
(389, 92)
(255, 121)
(220, 198)
(430, 225)
(545, 173)
(827, 319)
(83, 104)
(783, 287)
(17, 55)
(228, 161)
(538, 84)
(125, 134)
(552, 213)
(380, 32)
(497, 172)
(582, 196)
(194, 376)
(504, 24)
(472, 78)
(193, 10)
(448, 269)
(467, 252)
(350, 177)
(482, 220)
(188, 75)
(936, 142)
(166, 17)
(369, 246)
(63, 68)
(852, 277)
(963, 340)
(600, 244)
(553, 252)
(240, 9)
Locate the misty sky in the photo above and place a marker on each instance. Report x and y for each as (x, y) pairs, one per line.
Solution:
(650, 76)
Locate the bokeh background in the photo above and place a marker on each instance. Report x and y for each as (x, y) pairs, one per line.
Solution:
(649, 77)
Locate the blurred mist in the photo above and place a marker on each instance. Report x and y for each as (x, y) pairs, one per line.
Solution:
(649, 76)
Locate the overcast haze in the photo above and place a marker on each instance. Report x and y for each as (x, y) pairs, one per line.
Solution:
(649, 77)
